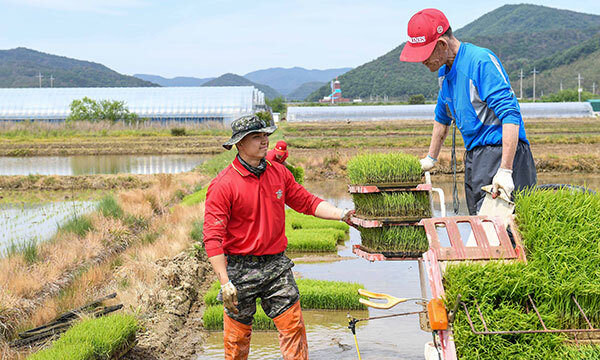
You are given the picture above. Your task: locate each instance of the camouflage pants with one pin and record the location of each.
(268, 277)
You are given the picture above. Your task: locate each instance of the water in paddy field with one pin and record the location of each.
(100, 164)
(20, 223)
(392, 338)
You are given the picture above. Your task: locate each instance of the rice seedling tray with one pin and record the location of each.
(389, 187)
(377, 255)
(385, 221)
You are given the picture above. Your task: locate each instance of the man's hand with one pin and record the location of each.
(427, 163)
(230, 300)
(347, 216)
(503, 180)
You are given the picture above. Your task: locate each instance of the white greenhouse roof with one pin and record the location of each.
(224, 102)
(423, 112)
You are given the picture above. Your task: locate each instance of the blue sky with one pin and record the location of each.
(209, 38)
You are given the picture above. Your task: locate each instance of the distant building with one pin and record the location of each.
(336, 94)
(222, 103)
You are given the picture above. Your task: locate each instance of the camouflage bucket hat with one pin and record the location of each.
(246, 125)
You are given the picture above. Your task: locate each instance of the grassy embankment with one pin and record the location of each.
(115, 248)
(561, 234)
(43, 139)
(314, 294)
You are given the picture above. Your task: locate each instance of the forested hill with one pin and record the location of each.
(20, 68)
(237, 80)
(523, 36)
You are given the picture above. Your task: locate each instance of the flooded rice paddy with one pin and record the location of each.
(21, 223)
(392, 338)
(100, 164)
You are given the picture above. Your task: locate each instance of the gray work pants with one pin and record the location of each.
(482, 163)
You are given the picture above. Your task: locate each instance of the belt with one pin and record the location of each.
(252, 258)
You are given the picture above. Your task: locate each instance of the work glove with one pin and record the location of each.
(503, 180)
(427, 163)
(230, 299)
(347, 216)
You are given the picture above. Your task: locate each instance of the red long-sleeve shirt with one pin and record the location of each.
(245, 215)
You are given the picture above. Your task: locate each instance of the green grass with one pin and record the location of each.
(109, 207)
(391, 204)
(561, 234)
(28, 249)
(298, 172)
(217, 163)
(402, 239)
(314, 294)
(79, 225)
(196, 197)
(384, 168)
(197, 231)
(92, 339)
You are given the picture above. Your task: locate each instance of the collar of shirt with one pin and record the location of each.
(241, 169)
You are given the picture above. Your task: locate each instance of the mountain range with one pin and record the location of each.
(21, 67)
(176, 81)
(560, 44)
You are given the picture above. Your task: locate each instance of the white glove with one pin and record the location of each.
(427, 163)
(503, 180)
(230, 300)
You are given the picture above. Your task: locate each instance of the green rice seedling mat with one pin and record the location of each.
(392, 169)
(395, 241)
(400, 205)
(561, 234)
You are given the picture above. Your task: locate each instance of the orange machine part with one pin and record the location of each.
(438, 317)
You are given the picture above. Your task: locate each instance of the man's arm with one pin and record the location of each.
(510, 139)
(438, 136)
(219, 265)
(327, 211)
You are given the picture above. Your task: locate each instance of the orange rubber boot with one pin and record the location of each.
(292, 334)
(236, 338)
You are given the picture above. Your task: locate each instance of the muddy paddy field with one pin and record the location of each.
(148, 251)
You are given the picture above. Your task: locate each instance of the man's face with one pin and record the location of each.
(438, 57)
(254, 146)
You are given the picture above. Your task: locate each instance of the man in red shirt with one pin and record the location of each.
(244, 237)
(279, 153)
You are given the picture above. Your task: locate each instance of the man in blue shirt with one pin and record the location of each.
(474, 92)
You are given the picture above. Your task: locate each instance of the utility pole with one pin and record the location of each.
(579, 89)
(40, 76)
(594, 88)
(51, 81)
(534, 72)
(561, 85)
(521, 84)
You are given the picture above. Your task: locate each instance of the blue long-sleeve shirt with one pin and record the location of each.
(476, 92)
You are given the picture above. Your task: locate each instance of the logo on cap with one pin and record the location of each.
(417, 40)
(440, 29)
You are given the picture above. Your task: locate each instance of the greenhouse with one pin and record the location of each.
(423, 112)
(224, 103)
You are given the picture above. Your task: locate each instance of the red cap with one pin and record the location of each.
(424, 28)
(281, 146)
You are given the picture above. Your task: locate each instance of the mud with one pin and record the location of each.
(172, 328)
(79, 182)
